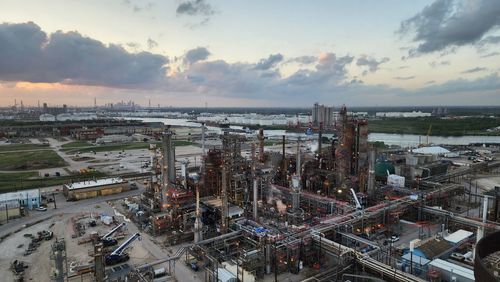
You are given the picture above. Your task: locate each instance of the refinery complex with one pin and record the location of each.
(149, 201)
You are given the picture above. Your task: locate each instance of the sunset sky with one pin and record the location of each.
(250, 53)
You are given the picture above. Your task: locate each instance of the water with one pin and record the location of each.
(412, 140)
(403, 140)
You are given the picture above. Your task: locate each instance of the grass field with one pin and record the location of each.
(29, 180)
(119, 147)
(30, 160)
(21, 147)
(440, 127)
(76, 144)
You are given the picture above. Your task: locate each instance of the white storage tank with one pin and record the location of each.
(396, 181)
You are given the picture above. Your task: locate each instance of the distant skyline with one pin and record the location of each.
(278, 53)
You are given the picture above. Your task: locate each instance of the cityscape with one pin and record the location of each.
(227, 141)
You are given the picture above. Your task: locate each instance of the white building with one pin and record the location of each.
(47, 117)
(26, 198)
(402, 114)
(322, 114)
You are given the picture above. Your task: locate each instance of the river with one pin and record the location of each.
(403, 140)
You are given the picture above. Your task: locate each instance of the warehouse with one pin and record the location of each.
(29, 199)
(94, 188)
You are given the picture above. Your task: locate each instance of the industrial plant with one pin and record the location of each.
(322, 205)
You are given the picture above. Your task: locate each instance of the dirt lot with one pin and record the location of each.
(39, 262)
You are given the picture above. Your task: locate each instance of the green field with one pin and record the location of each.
(29, 180)
(23, 147)
(76, 144)
(440, 127)
(119, 147)
(30, 160)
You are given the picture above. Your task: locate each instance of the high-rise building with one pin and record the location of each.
(322, 114)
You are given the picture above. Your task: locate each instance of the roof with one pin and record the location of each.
(451, 267)
(458, 236)
(433, 248)
(416, 259)
(94, 183)
(224, 275)
(433, 150)
(20, 195)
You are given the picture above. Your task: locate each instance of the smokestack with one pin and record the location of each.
(198, 235)
(371, 172)
(203, 138)
(261, 145)
(283, 178)
(320, 135)
(298, 164)
(255, 187)
(224, 211)
(168, 163)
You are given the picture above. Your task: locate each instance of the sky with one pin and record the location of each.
(261, 53)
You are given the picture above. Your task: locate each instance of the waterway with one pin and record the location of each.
(403, 140)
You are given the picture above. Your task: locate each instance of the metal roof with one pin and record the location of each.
(415, 259)
(94, 183)
(458, 236)
(433, 150)
(453, 268)
(20, 195)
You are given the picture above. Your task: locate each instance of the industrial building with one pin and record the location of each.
(94, 188)
(29, 199)
(322, 114)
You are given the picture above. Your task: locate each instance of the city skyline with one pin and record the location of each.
(264, 53)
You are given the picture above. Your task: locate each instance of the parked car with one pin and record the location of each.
(394, 238)
(41, 209)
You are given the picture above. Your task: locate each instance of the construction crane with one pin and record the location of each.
(118, 255)
(358, 204)
(107, 240)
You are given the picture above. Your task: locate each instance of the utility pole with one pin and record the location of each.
(54, 198)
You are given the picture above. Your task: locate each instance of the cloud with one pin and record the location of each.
(476, 69)
(446, 24)
(29, 54)
(404, 77)
(270, 62)
(303, 60)
(490, 54)
(439, 63)
(195, 8)
(483, 84)
(489, 40)
(136, 8)
(194, 55)
(152, 44)
(372, 63)
(70, 59)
